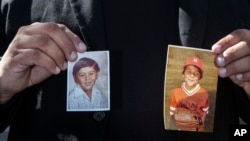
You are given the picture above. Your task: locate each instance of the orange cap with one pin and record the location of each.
(196, 61)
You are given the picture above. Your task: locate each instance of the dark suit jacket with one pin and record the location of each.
(202, 23)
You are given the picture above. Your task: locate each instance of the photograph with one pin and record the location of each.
(88, 86)
(189, 89)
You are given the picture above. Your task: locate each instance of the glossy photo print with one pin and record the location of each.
(189, 89)
(88, 82)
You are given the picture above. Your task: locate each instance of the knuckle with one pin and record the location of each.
(23, 29)
(241, 33)
(62, 26)
(20, 41)
(35, 23)
(52, 27)
(16, 42)
(36, 54)
(41, 40)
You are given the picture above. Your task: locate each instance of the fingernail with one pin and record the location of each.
(82, 46)
(220, 61)
(222, 72)
(239, 76)
(73, 55)
(57, 70)
(216, 48)
(225, 54)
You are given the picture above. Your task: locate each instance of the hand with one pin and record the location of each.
(233, 57)
(37, 51)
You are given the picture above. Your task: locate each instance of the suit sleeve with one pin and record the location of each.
(7, 112)
(243, 104)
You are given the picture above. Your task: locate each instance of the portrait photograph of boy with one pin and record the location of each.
(190, 89)
(88, 82)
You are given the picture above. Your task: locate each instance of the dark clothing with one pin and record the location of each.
(137, 34)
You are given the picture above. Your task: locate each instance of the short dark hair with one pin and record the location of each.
(85, 62)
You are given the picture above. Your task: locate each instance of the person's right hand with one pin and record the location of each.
(37, 51)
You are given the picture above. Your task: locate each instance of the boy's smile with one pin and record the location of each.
(86, 78)
(191, 76)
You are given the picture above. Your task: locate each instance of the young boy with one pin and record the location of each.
(190, 96)
(85, 95)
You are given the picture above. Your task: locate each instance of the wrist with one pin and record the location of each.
(6, 91)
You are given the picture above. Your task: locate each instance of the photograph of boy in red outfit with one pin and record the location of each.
(188, 103)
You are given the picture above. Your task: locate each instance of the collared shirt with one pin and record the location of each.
(196, 99)
(78, 100)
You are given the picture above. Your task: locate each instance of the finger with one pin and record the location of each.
(229, 40)
(233, 53)
(57, 34)
(242, 80)
(79, 45)
(43, 74)
(28, 58)
(44, 44)
(238, 66)
(246, 87)
(242, 76)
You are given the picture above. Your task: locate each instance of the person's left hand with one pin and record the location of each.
(233, 57)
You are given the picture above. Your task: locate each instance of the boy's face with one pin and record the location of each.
(191, 75)
(86, 78)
